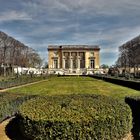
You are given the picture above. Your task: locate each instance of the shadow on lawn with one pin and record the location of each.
(12, 130)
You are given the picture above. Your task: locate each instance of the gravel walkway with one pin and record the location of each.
(3, 125)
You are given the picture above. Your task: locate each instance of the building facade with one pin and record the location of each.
(73, 59)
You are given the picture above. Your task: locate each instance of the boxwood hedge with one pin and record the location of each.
(75, 117)
(134, 103)
(123, 82)
(10, 102)
(12, 82)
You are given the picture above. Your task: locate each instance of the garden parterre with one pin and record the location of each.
(68, 113)
(76, 85)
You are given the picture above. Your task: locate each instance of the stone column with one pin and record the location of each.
(63, 63)
(58, 63)
(78, 60)
(71, 62)
(53, 64)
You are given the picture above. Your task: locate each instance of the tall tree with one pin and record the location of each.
(129, 56)
(14, 53)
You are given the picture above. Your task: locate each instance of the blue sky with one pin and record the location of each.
(38, 23)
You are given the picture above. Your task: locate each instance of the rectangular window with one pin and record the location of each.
(81, 54)
(67, 63)
(82, 63)
(74, 64)
(56, 64)
(73, 54)
(91, 64)
(66, 54)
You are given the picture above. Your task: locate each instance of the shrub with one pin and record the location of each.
(127, 83)
(9, 104)
(18, 81)
(134, 103)
(75, 117)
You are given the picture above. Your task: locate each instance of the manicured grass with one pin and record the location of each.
(76, 85)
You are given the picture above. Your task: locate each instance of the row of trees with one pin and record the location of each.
(129, 57)
(14, 53)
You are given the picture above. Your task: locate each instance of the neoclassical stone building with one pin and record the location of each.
(73, 59)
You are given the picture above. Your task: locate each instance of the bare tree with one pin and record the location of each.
(14, 53)
(129, 56)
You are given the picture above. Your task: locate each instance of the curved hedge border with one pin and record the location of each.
(10, 102)
(75, 117)
(134, 103)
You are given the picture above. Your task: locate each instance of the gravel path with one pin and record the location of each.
(3, 125)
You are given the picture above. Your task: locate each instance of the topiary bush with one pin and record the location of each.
(75, 117)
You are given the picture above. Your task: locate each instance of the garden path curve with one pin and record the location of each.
(3, 125)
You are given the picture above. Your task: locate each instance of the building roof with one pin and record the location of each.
(73, 47)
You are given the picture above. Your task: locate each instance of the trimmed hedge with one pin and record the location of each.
(134, 103)
(75, 117)
(18, 81)
(126, 83)
(9, 104)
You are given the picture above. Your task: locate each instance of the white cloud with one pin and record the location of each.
(108, 23)
(46, 30)
(92, 7)
(14, 15)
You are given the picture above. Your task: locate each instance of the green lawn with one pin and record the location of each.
(75, 85)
